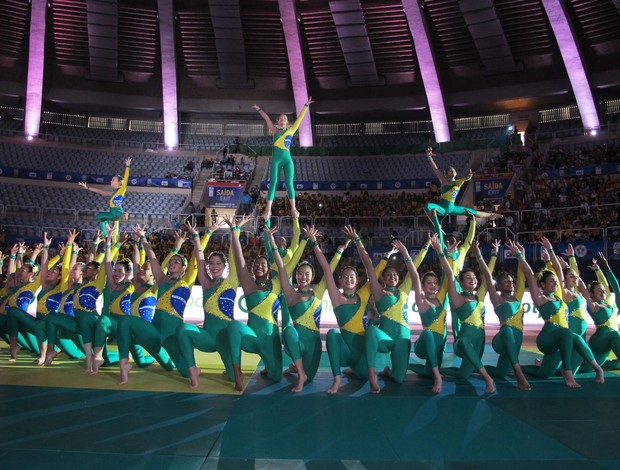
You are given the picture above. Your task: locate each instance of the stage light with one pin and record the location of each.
(593, 132)
(29, 137)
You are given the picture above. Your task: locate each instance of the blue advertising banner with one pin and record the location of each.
(491, 187)
(93, 179)
(224, 194)
(606, 169)
(353, 185)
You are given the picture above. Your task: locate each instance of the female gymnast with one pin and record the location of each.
(393, 334)
(173, 291)
(468, 305)
(281, 157)
(450, 188)
(604, 313)
(260, 335)
(302, 340)
(48, 300)
(506, 299)
(120, 289)
(346, 346)
(431, 298)
(555, 340)
(115, 197)
(218, 297)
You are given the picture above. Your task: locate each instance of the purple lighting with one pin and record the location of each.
(573, 63)
(36, 56)
(288, 14)
(168, 73)
(428, 70)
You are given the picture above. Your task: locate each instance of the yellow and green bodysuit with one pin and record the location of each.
(347, 346)
(281, 158)
(115, 204)
(219, 307)
(394, 332)
(469, 344)
(261, 334)
(302, 340)
(606, 338)
(555, 340)
(507, 342)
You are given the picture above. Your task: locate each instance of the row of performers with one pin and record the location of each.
(146, 312)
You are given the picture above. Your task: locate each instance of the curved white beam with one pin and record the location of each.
(430, 78)
(572, 61)
(36, 58)
(288, 15)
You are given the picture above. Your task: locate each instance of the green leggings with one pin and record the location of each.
(429, 346)
(28, 337)
(302, 343)
(557, 343)
(211, 338)
(63, 331)
(113, 215)
(347, 349)
(507, 343)
(264, 343)
(603, 341)
(107, 327)
(397, 343)
(281, 159)
(158, 338)
(469, 346)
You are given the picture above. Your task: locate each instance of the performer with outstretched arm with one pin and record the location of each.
(281, 157)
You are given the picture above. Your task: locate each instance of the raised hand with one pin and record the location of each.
(350, 232)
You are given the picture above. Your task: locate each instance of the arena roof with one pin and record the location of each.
(358, 59)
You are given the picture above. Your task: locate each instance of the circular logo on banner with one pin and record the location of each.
(397, 184)
(68, 177)
(332, 186)
(134, 181)
(580, 251)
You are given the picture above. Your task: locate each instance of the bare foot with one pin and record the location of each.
(39, 362)
(295, 214)
(194, 373)
(372, 380)
(50, 357)
(238, 384)
(89, 364)
(125, 367)
(494, 216)
(385, 373)
(335, 386)
(301, 380)
(522, 382)
(490, 385)
(97, 362)
(291, 370)
(13, 352)
(569, 379)
(266, 216)
(600, 375)
(437, 385)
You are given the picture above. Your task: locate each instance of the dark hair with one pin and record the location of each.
(352, 268)
(125, 263)
(543, 274)
(465, 271)
(501, 276)
(428, 274)
(592, 285)
(220, 254)
(305, 263)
